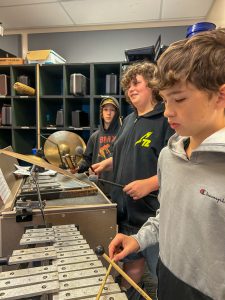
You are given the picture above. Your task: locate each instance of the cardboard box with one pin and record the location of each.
(11, 61)
(44, 57)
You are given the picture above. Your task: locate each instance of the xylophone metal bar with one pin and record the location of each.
(33, 282)
(79, 283)
(79, 271)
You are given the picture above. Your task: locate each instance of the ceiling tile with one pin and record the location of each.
(44, 14)
(177, 9)
(22, 2)
(33, 16)
(108, 11)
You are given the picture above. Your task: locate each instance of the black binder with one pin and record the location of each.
(79, 119)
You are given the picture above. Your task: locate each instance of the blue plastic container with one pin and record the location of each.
(198, 27)
(34, 151)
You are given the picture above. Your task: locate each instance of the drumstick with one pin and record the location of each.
(100, 251)
(104, 281)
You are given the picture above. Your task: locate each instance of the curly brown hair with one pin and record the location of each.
(199, 60)
(148, 71)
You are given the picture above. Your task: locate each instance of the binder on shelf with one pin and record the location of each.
(3, 85)
(6, 114)
(111, 84)
(23, 79)
(79, 119)
(59, 117)
(78, 84)
(9, 115)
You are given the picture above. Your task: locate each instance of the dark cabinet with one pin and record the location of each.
(56, 106)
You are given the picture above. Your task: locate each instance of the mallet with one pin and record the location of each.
(95, 179)
(101, 252)
(104, 282)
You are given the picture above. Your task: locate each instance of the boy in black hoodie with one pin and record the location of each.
(99, 143)
(135, 154)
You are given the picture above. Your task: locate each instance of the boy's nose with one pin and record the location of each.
(169, 111)
(109, 112)
(131, 87)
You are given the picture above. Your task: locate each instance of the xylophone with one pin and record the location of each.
(61, 266)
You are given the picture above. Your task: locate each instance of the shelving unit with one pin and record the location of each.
(21, 131)
(54, 95)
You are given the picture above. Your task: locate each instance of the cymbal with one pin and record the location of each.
(39, 162)
(67, 142)
(35, 158)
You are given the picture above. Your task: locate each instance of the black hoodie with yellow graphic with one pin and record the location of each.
(135, 156)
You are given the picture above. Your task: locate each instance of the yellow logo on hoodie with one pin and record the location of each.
(144, 140)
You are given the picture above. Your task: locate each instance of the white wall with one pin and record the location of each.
(11, 43)
(217, 13)
(104, 45)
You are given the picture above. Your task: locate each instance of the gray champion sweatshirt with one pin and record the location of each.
(191, 230)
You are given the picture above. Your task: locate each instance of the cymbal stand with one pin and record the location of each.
(34, 175)
(70, 162)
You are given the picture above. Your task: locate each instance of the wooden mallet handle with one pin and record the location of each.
(104, 282)
(100, 252)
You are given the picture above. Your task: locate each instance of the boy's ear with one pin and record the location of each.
(221, 96)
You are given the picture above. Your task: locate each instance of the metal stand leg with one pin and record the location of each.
(34, 174)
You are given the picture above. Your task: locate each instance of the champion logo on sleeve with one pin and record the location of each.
(206, 193)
